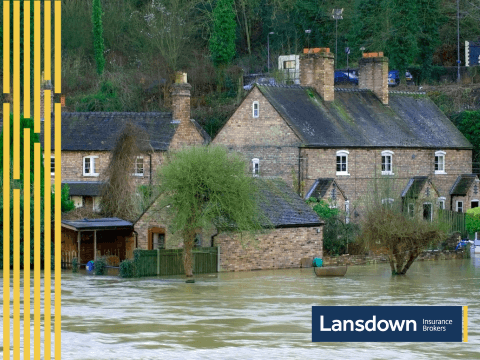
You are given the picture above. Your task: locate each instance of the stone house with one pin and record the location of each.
(296, 235)
(89, 137)
(420, 197)
(303, 133)
(464, 193)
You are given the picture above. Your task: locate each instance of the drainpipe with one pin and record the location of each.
(299, 170)
(150, 169)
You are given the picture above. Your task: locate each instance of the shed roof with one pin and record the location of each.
(84, 188)
(282, 206)
(462, 185)
(98, 224)
(358, 119)
(414, 187)
(98, 131)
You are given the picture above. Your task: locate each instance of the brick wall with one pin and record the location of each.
(363, 164)
(278, 249)
(267, 138)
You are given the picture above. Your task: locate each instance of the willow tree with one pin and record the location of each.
(203, 187)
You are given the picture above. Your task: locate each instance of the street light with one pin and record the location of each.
(268, 50)
(337, 15)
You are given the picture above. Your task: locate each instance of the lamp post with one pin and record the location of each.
(268, 50)
(337, 15)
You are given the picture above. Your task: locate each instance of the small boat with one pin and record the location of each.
(331, 271)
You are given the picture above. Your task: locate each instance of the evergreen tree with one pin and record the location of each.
(222, 41)
(98, 43)
(428, 38)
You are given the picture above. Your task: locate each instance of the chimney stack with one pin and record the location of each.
(46, 85)
(373, 75)
(317, 68)
(181, 98)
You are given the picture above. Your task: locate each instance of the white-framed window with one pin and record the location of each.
(411, 209)
(474, 203)
(342, 162)
(52, 164)
(440, 162)
(256, 167)
(441, 202)
(255, 109)
(89, 165)
(459, 206)
(139, 166)
(388, 202)
(387, 166)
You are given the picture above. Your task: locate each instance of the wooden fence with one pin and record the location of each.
(170, 261)
(455, 221)
(67, 258)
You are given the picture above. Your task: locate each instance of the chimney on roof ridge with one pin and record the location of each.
(45, 85)
(373, 75)
(317, 68)
(181, 98)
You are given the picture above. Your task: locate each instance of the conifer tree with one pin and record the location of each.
(222, 41)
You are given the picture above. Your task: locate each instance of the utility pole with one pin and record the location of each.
(268, 50)
(337, 15)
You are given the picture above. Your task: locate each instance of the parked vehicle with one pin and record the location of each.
(342, 77)
(394, 77)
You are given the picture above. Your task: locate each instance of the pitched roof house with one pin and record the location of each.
(89, 137)
(313, 131)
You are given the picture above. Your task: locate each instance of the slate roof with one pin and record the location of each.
(84, 188)
(359, 119)
(462, 184)
(282, 206)
(98, 131)
(320, 187)
(98, 224)
(414, 186)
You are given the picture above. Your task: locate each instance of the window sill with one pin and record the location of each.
(342, 173)
(139, 175)
(387, 173)
(93, 175)
(438, 172)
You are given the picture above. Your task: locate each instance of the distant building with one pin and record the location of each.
(289, 65)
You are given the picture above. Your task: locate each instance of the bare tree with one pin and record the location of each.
(119, 193)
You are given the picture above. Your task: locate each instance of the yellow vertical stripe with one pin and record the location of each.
(58, 227)
(465, 324)
(16, 274)
(6, 46)
(47, 12)
(47, 224)
(6, 230)
(58, 47)
(36, 231)
(16, 90)
(26, 59)
(36, 66)
(26, 244)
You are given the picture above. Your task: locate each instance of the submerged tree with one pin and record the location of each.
(205, 187)
(396, 227)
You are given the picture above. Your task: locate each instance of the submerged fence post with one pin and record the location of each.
(158, 261)
(218, 258)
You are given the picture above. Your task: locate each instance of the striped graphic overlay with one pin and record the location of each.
(22, 162)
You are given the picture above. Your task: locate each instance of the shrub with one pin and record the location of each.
(75, 265)
(127, 269)
(100, 266)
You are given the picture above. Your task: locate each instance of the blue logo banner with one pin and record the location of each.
(387, 323)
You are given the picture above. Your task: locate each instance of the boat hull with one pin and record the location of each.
(331, 271)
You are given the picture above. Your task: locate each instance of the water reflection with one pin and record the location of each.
(255, 314)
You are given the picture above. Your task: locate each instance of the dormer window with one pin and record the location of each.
(255, 109)
(342, 162)
(255, 167)
(387, 167)
(440, 162)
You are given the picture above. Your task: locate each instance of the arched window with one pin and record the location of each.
(387, 166)
(342, 162)
(255, 109)
(440, 162)
(441, 202)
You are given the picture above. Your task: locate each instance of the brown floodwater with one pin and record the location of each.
(255, 315)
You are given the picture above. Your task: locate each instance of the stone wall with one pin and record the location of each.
(277, 249)
(364, 165)
(266, 137)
